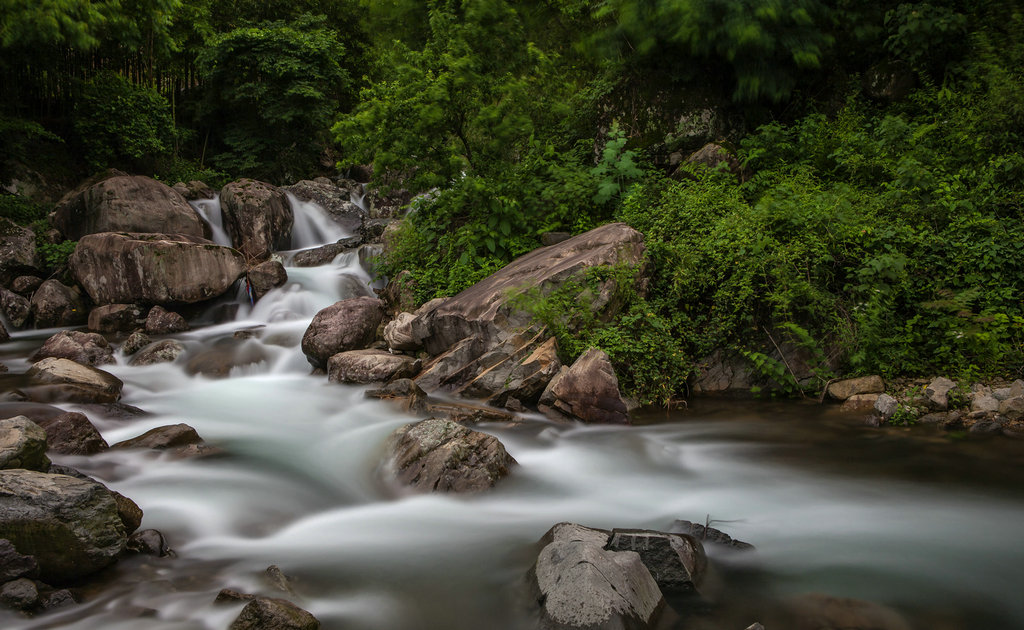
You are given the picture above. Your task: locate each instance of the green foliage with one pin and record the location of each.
(925, 35)
(122, 124)
(55, 255)
(20, 209)
(181, 170)
(76, 23)
(273, 90)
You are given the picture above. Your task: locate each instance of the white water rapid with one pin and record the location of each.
(921, 524)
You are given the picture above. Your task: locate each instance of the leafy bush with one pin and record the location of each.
(119, 123)
(20, 210)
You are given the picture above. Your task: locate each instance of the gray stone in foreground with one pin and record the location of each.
(69, 525)
(438, 455)
(936, 395)
(675, 561)
(370, 366)
(80, 347)
(269, 613)
(170, 436)
(73, 382)
(71, 433)
(14, 565)
(588, 390)
(345, 325)
(22, 444)
(844, 389)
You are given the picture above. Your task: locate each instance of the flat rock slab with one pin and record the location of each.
(69, 525)
(438, 455)
(844, 389)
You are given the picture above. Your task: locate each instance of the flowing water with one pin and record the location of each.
(909, 519)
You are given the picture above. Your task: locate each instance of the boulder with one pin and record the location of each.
(522, 374)
(269, 613)
(984, 402)
(588, 390)
(154, 268)
(56, 304)
(112, 318)
(438, 455)
(257, 216)
(195, 190)
(721, 373)
(20, 594)
(135, 342)
(936, 395)
(129, 512)
(265, 276)
(22, 444)
(489, 310)
(706, 534)
(370, 366)
(712, 154)
(400, 292)
(69, 525)
(1012, 409)
(14, 565)
(676, 561)
(324, 254)
(160, 321)
(398, 333)
(171, 436)
(165, 351)
(450, 367)
(26, 285)
(71, 433)
(860, 403)
(149, 542)
(125, 203)
(346, 325)
(80, 347)
(844, 389)
(18, 254)
(64, 380)
(577, 583)
(15, 307)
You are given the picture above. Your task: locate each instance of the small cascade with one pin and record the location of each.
(209, 210)
(312, 226)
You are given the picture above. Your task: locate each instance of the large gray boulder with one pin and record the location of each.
(56, 304)
(55, 379)
(346, 325)
(69, 525)
(125, 203)
(22, 444)
(437, 455)
(71, 433)
(257, 216)
(579, 584)
(588, 391)
(154, 268)
(271, 613)
(370, 366)
(80, 347)
(489, 310)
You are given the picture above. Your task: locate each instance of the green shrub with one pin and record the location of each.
(20, 209)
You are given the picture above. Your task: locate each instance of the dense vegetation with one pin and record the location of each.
(878, 230)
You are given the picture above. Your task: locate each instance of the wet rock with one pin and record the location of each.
(410, 397)
(844, 389)
(676, 561)
(160, 321)
(71, 433)
(14, 565)
(488, 310)
(336, 200)
(936, 395)
(816, 611)
(20, 594)
(278, 580)
(468, 413)
(22, 444)
(267, 613)
(517, 376)
(70, 526)
(59, 599)
(80, 347)
(227, 595)
(398, 333)
(438, 455)
(125, 203)
(577, 583)
(257, 216)
(322, 255)
(370, 366)
(165, 437)
(165, 351)
(154, 268)
(18, 254)
(113, 318)
(860, 403)
(15, 307)
(135, 342)
(346, 325)
(588, 390)
(26, 285)
(56, 304)
(129, 512)
(149, 542)
(710, 535)
(265, 276)
(450, 367)
(226, 355)
(56, 379)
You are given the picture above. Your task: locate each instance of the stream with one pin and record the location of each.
(909, 518)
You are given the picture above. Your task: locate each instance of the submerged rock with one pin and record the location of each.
(438, 455)
(171, 436)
